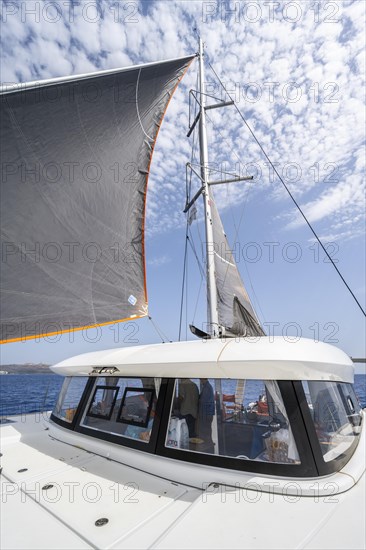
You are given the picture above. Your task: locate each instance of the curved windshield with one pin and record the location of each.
(336, 414)
(244, 419)
(69, 397)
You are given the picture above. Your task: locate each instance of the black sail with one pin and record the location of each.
(235, 310)
(75, 158)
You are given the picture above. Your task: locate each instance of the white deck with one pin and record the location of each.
(86, 487)
(146, 511)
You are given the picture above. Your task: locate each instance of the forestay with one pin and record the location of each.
(76, 154)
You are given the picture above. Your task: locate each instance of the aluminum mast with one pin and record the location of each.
(212, 313)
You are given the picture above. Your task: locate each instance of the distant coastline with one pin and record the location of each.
(26, 368)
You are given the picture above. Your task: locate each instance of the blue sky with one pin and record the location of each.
(296, 70)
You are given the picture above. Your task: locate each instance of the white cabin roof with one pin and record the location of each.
(266, 358)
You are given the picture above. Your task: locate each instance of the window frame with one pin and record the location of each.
(146, 446)
(79, 408)
(323, 467)
(103, 416)
(148, 412)
(306, 468)
(298, 414)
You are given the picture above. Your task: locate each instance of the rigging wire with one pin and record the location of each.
(163, 337)
(187, 272)
(290, 194)
(237, 228)
(209, 168)
(183, 283)
(200, 267)
(228, 144)
(185, 261)
(198, 297)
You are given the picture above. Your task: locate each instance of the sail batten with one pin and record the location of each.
(75, 165)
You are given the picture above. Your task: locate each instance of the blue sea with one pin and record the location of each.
(26, 393)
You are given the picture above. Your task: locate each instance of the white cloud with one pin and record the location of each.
(324, 59)
(159, 261)
(344, 204)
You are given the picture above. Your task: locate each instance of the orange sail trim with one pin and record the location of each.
(75, 329)
(148, 174)
(42, 297)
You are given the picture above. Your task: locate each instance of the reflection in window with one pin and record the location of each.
(336, 414)
(245, 419)
(103, 401)
(136, 406)
(123, 407)
(69, 397)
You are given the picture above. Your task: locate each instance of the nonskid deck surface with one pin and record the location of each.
(144, 511)
(85, 488)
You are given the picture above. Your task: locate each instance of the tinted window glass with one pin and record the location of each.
(336, 414)
(122, 406)
(245, 419)
(69, 397)
(136, 406)
(103, 401)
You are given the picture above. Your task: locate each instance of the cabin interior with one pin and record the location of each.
(296, 428)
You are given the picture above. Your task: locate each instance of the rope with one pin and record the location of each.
(290, 194)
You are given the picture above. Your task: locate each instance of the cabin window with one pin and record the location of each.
(122, 406)
(102, 402)
(336, 414)
(69, 397)
(244, 419)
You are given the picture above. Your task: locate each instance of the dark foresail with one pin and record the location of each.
(75, 158)
(235, 310)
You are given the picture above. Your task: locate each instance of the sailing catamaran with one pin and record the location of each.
(194, 444)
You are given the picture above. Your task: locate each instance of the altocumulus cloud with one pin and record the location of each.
(296, 70)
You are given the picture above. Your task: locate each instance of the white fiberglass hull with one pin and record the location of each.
(165, 506)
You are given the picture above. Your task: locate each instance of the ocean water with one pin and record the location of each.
(360, 388)
(26, 393)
